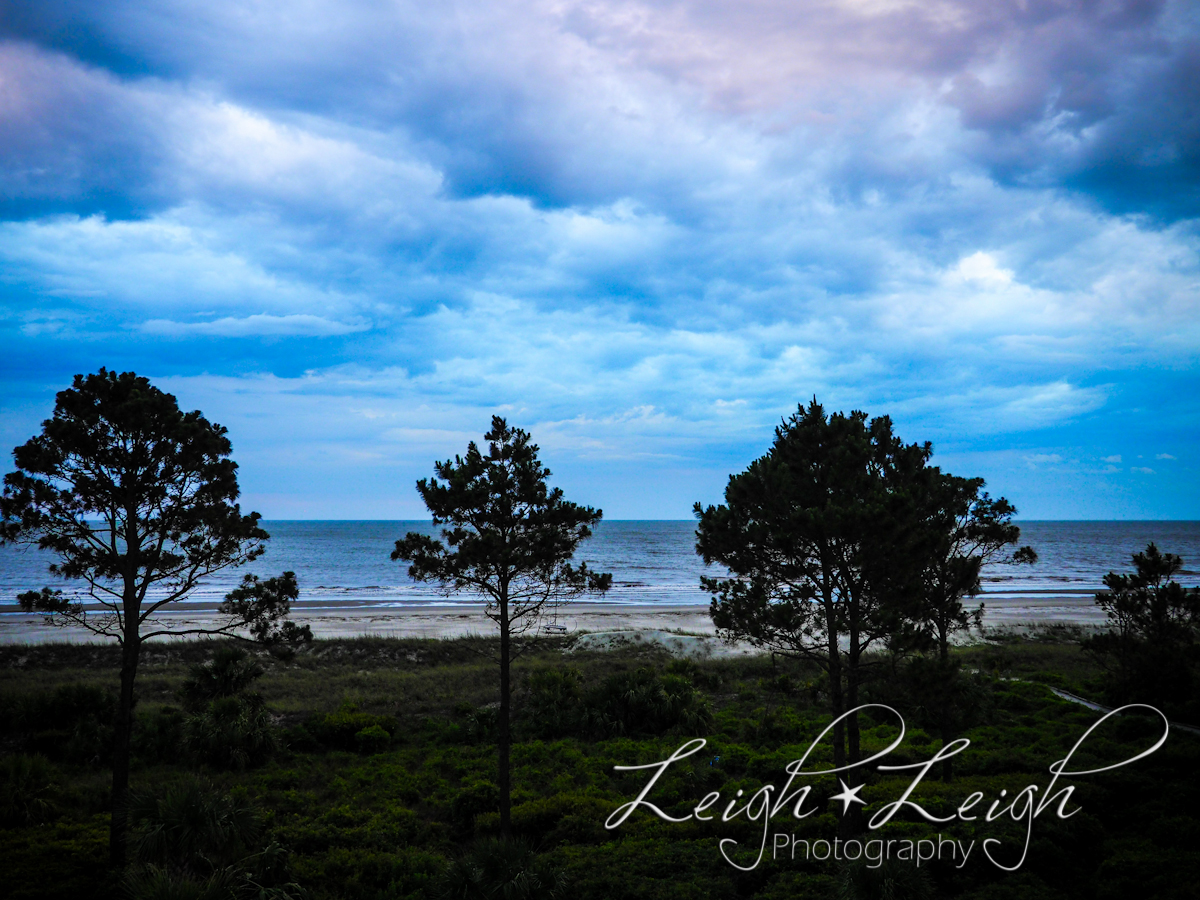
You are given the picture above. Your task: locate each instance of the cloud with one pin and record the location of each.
(261, 325)
(582, 103)
(1163, 456)
(1040, 459)
(980, 268)
(648, 229)
(1116, 458)
(1144, 470)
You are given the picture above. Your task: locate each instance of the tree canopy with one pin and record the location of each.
(843, 539)
(134, 497)
(963, 529)
(1150, 647)
(817, 537)
(508, 537)
(137, 500)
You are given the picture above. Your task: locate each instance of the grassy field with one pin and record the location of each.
(367, 769)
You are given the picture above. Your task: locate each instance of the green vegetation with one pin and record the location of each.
(381, 776)
(508, 537)
(842, 541)
(1150, 651)
(136, 500)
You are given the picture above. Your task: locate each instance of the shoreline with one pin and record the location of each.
(341, 619)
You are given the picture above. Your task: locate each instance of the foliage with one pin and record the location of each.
(158, 735)
(232, 733)
(229, 726)
(497, 868)
(193, 827)
(963, 531)
(340, 730)
(137, 500)
(625, 703)
(72, 722)
(372, 739)
(263, 605)
(229, 672)
(1150, 647)
(392, 824)
(195, 842)
(26, 785)
(934, 693)
(555, 707)
(510, 538)
(644, 702)
(888, 880)
(820, 536)
(133, 496)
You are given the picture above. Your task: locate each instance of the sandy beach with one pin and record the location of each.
(332, 619)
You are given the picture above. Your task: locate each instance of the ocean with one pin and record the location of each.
(651, 562)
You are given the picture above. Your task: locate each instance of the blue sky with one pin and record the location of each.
(643, 231)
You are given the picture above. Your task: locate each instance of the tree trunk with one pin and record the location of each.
(946, 696)
(851, 824)
(837, 703)
(119, 824)
(853, 753)
(504, 739)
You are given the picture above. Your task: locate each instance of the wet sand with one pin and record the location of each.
(333, 619)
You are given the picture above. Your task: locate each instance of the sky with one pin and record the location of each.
(353, 231)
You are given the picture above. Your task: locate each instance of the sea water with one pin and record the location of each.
(650, 561)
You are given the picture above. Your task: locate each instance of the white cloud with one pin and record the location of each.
(647, 229)
(1040, 459)
(981, 268)
(260, 325)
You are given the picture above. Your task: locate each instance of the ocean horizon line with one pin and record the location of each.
(609, 521)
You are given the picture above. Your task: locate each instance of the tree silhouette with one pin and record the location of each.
(136, 499)
(818, 536)
(960, 529)
(509, 538)
(1153, 621)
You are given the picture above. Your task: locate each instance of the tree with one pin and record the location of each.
(961, 530)
(817, 537)
(136, 499)
(511, 539)
(1153, 621)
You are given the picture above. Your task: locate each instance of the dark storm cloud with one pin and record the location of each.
(74, 140)
(356, 230)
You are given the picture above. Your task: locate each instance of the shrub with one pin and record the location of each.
(372, 739)
(483, 723)
(708, 679)
(192, 826)
(339, 730)
(888, 880)
(158, 735)
(194, 841)
(229, 672)
(232, 733)
(26, 783)
(498, 867)
(555, 709)
(641, 702)
(473, 798)
(73, 722)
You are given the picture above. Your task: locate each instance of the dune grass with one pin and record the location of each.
(385, 773)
